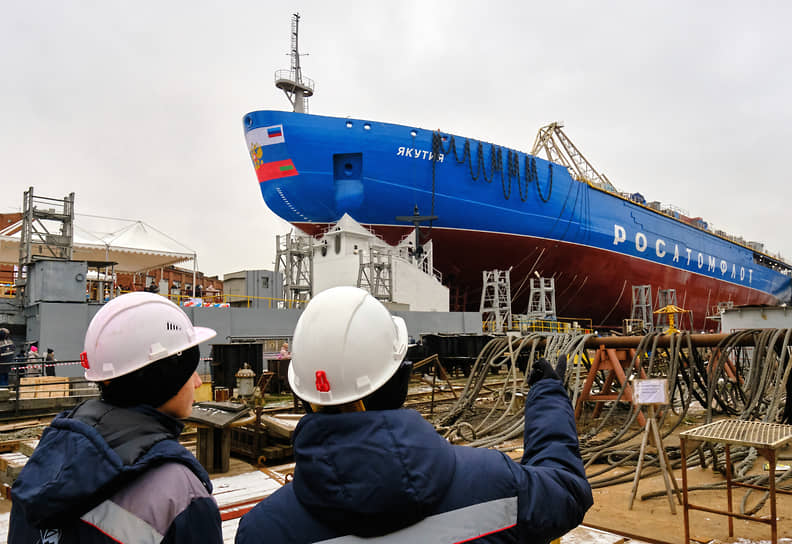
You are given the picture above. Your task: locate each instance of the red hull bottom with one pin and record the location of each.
(590, 283)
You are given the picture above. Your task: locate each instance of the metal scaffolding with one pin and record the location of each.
(642, 306)
(47, 232)
(496, 299)
(294, 258)
(543, 304)
(375, 273)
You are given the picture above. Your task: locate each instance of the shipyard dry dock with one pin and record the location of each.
(736, 381)
(637, 397)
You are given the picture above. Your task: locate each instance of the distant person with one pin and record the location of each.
(365, 468)
(284, 351)
(7, 349)
(112, 470)
(49, 362)
(33, 354)
(33, 359)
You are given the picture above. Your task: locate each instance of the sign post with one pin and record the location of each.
(651, 393)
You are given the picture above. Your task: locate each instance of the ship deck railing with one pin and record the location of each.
(672, 211)
(7, 290)
(560, 326)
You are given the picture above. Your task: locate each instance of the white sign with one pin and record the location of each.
(654, 391)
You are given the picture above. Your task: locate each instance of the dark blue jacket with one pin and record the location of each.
(103, 474)
(389, 473)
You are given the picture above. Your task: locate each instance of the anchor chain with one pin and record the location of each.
(512, 170)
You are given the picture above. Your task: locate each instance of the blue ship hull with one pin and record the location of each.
(498, 208)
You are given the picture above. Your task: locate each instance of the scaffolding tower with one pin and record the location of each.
(294, 258)
(375, 274)
(543, 304)
(496, 299)
(642, 306)
(47, 232)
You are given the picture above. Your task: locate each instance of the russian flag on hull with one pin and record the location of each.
(269, 153)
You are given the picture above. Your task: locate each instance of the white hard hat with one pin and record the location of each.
(134, 330)
(346, 345)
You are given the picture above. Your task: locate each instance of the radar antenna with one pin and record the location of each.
(560, 149)
(291, 82)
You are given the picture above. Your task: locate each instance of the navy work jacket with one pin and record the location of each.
(103, 474)
(389, 477)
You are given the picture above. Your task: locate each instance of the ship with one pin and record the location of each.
(489, 207)
(482, 209)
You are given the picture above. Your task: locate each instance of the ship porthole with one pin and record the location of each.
(367, 126)
(249, 121)
(413, 133)
(349, 124)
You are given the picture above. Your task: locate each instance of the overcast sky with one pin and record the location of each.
(137, 107)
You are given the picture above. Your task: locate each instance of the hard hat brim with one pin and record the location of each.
(202, 334)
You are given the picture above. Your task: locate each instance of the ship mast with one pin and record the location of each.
(291, 82)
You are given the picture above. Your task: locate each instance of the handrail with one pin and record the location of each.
(538, 325)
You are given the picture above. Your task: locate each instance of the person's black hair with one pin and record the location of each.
(154, 384)
(393, 394)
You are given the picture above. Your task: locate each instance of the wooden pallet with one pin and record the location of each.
(44, 387)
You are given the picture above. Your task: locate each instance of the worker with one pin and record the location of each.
(112, 470)
(284, 351)
(7, 349)
(49, 362)
(366, 468)
(34, 359)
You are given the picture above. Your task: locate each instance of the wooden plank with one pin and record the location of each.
(12, 459)
(15, 466)
(20, 425)
(9, 445)
(281, 427)
(27, 447)
(43, 387)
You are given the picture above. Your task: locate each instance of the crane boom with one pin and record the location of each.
(559, 149)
